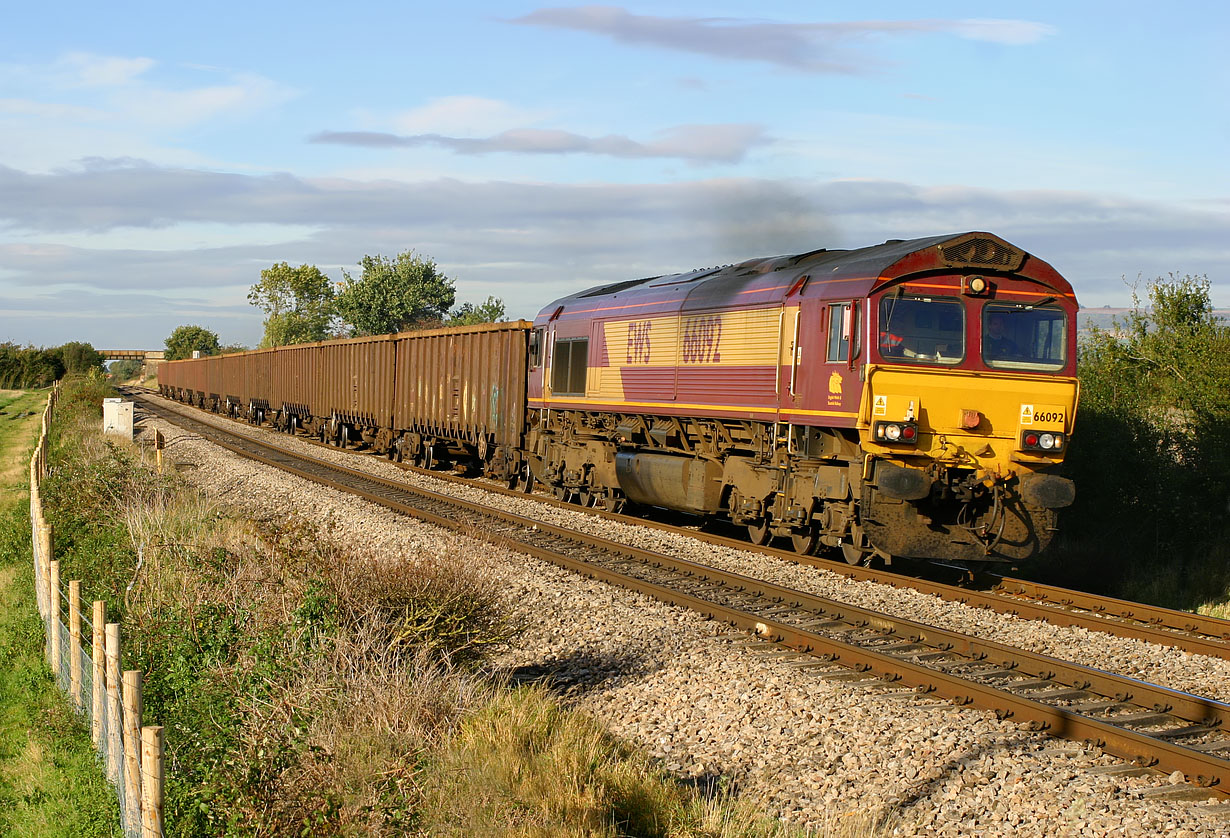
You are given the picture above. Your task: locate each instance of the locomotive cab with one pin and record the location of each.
(970, 396)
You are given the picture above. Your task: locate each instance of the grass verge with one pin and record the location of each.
(50, 782)
(310, 685)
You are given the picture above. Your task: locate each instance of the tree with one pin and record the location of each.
(1150, 452)
(468, 314)
(392, 295)
(227, 349)
(126, 370)
(298, 302)
(78, 357)
(23, 367)
(188, 339)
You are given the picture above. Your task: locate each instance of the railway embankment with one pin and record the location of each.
(314, 677)
(710, 704)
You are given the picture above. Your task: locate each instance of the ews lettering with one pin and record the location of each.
(701, 336)
(638, 342)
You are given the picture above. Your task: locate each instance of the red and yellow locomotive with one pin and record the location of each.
(906, 399)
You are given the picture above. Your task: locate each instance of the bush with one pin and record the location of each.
(1151, 454)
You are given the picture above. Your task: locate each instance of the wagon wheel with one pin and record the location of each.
(805, 542)
(524, 481)
(759, 533)
(427, 458)
(589, 498)
(562, 493)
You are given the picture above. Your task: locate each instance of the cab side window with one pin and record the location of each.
(841, 331)
(535, 348)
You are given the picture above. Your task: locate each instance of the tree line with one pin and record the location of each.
(26, 367)
(302, 304)
(1150, 453)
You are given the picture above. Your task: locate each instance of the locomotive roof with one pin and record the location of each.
(823, 273)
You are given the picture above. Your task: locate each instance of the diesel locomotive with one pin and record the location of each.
(909, 399)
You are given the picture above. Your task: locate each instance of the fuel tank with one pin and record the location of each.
(672, 482)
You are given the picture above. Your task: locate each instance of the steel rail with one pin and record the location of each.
(1202, 767)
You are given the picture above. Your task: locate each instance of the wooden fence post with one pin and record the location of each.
(132, 744)
(152, 779)
(114, 723)
(99, 687)
(38, 568)
(45, 555)
(53, 624)
(74, 642)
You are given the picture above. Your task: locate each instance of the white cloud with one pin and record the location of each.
(246, 93)
(48, 110)
(1011, 32)
(464, 116)
(82, 69)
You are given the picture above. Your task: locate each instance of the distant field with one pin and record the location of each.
(17, 434)
(1105, 317)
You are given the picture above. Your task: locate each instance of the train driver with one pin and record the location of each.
(995, 341)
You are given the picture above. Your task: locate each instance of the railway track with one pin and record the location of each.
(1147, 724)
(1194, 633)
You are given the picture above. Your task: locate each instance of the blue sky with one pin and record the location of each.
(154, 158)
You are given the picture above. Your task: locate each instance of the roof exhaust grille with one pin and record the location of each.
(981, 252)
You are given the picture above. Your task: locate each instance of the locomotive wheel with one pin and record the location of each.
(854, 554)
(806, 542)
(759, 532)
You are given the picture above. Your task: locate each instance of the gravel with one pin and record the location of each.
(708, 703)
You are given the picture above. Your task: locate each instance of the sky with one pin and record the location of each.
(155, 157)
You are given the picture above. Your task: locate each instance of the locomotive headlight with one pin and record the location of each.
(896, 433)
(1050, 442)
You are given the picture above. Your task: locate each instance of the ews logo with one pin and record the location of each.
(638, 342)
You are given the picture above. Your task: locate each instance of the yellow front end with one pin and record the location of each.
(971, 419)
(957, 462)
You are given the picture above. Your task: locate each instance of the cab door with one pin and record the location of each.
(825, 384)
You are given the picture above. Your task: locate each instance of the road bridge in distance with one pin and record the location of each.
(149, 358)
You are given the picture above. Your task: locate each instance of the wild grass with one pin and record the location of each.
(311, 685)
(523, 765)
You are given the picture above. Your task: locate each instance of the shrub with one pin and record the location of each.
(1151, 453)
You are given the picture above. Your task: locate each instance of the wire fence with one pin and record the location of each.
(83, 652)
